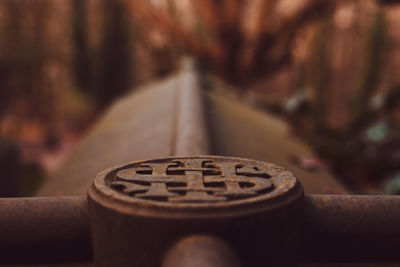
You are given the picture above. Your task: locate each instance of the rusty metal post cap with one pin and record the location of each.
(138, 210)
(204, 186)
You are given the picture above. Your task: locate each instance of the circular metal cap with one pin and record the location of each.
(195, 187)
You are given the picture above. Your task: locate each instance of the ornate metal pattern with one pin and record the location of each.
(199, 179)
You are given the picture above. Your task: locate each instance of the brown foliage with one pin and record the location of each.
(222, 39)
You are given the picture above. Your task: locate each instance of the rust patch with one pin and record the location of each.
(199, 180)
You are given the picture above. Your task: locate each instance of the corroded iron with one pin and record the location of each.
(44, 230)
(349, 228)
(200, 180)
(149, 204)
(209, 209)
(191, 137)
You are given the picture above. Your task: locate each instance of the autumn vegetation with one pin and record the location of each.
(330, 68)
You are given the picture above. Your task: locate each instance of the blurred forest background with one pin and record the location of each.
(330, 68)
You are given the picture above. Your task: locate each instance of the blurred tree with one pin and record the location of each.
(371, 67)
(22, 56)
(81, 57)
(344, 145)
(224, 45)
(318, 73)
(115, 57)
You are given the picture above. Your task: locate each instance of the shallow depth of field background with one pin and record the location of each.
(329, 68)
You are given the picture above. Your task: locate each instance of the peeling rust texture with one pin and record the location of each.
(191, 133)
(351, 228)
(44, 230)
(203, 181)
(201, 251)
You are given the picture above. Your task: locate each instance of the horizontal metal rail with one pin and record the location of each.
(351, 228)
(335, 228)
(190, 131)
(44, 230)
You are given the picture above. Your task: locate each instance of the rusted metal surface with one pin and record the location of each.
(162, 119)
(191, 131)
(149, 204)
(336, 228)
(199, 180)
(138, 126)
(187, 183)
(205, 210)
(201, 251)
(167, 118)
(351, 228)
(44, 230)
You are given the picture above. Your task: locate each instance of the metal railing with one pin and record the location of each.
(251, 226)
